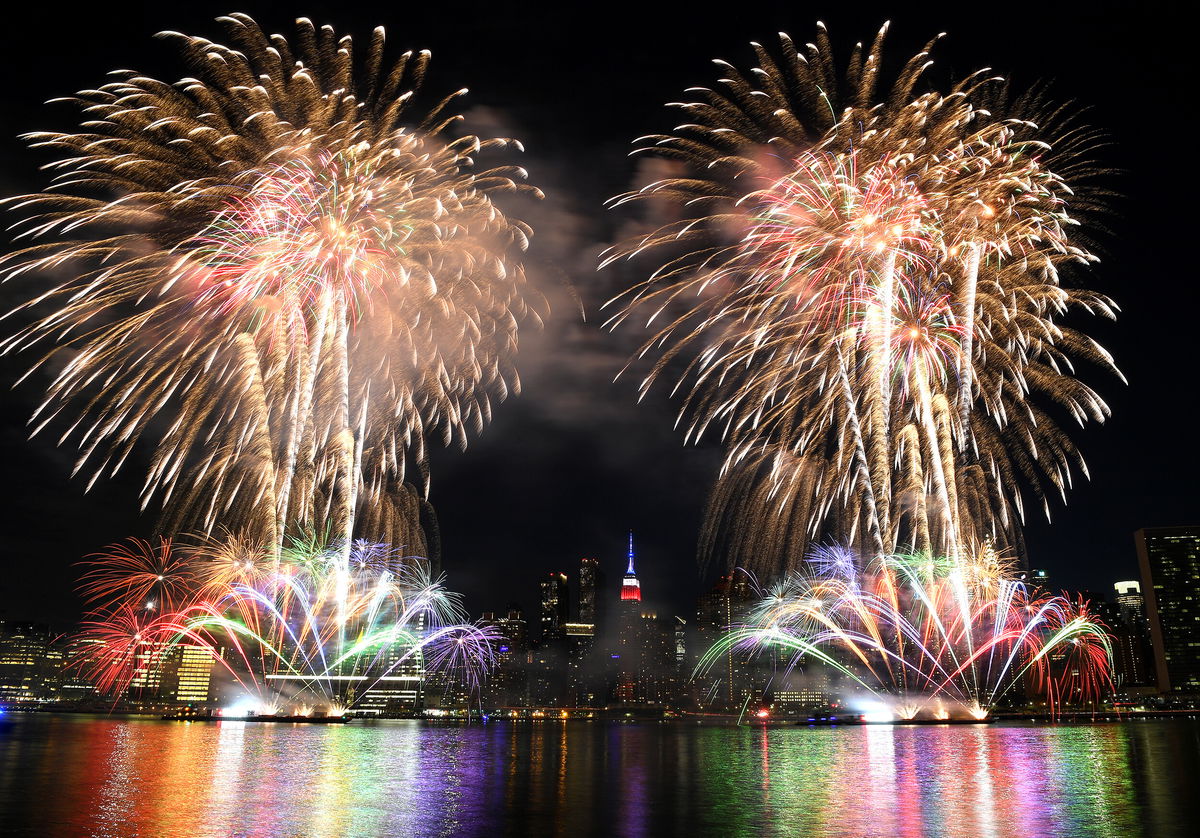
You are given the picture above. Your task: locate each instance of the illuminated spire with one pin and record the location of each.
(631, 589)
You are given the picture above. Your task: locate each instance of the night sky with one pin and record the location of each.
(573, 463)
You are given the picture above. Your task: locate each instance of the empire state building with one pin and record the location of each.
(631, 589)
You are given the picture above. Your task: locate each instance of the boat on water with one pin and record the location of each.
(858, 719)
(258, 717)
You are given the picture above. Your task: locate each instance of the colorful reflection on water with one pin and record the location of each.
(77, 776)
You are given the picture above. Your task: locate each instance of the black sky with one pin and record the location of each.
(573, 463)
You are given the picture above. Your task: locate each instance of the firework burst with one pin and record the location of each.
(867, 285)
(316, 626)
(151, 576)
(929, 635)
(304, 276)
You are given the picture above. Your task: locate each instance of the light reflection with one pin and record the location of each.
(123, 778)
(227, 777)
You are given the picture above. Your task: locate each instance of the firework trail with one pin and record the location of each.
(281, 258)
(932, 636)
(859, 292)
(317, 626)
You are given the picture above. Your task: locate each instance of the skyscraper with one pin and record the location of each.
(646, 670)
(507, 686)
(631, 588)
(1133, 662)
(1130, 601)
(732, 678)
(148, 668)
(627, 654)
(583, 688)
(556, 601)
(1170, 563)
(591, 581)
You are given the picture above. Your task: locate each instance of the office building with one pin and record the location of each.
(556, 606)
(507, 685)
(189, 669)
(592, 593)
(1169, 558)
(394, 685)
(731, 679)
(1130, 601)
(1037, 577)
(31, 664)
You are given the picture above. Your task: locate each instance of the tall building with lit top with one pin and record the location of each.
(631, 588)
(1130, 601)
(646, 669)
(547, 659)
(556, 606)
(627, 655)
(1036, 577)
(1132, 659)
(1169, 558)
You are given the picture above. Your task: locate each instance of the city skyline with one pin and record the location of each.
(593, 648)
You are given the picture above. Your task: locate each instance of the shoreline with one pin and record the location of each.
(706, 720)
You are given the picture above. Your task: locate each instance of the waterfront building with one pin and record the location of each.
(507, 685)
(445, 693)
(31, 664)
(583, 688)
(148, 668)
(1131, 656)
(585, 680)
(1169, 558)
(546, 660)
(75, 686)
(659, 678)
(187, 674)
(546, 665)
(804, 698)
(735, 677)
(396, 684)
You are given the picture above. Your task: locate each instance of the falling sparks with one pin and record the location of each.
(929, 636)
(293, 630)
(858, 291)
(280, 275)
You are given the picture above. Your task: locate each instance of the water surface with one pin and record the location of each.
(79, 776)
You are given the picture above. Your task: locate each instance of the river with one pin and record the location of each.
(92, 776)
